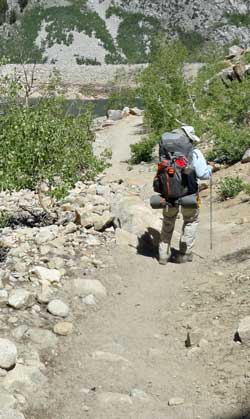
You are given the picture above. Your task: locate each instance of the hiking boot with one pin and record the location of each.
(163, 261)
(183, 258)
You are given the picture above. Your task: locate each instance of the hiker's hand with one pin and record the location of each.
(214, 166)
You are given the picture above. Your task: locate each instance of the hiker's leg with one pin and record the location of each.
(169, 218)
(189, 229)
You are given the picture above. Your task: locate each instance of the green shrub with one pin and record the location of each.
(238, 19)
(230, 187)
(42, 143)
(143, 150)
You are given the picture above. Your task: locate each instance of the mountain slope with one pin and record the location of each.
(113, 31)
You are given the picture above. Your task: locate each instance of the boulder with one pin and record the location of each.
(114, 115)
(246, 157)
(8, 354)
(124, 238)
(134, 216)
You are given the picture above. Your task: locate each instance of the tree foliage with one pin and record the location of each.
(40, 143)
(219, 111)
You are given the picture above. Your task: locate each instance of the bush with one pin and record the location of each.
(143, 151)
(40, 143)
(230, 187)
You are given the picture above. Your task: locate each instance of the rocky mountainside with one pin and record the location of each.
(113, 31)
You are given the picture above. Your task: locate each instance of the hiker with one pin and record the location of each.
(185, 140)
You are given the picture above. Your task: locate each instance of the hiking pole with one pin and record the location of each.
(211, 213)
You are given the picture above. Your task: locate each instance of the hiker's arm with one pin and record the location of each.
(202, 169)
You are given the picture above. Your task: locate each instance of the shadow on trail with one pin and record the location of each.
(242, 415)
(238, 256)
(148, 243)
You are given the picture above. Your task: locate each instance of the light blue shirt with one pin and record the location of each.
(202, 169)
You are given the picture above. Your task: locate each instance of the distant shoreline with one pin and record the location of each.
(77, 81)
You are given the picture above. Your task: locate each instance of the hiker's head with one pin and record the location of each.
(189, 130)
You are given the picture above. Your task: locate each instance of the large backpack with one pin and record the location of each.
(175, 176)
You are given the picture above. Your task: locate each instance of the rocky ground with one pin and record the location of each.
(92, 326)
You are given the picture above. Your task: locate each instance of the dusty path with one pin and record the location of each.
(133, 342)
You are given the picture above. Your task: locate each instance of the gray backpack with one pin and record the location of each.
(175, 176)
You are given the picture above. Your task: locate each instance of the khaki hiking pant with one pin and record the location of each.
(189, 228)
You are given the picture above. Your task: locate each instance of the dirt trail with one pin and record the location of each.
(143, 324)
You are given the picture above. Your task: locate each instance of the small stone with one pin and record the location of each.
(58, 308)
(85, 287)
(19, 331)
(89, 300)
(244, 330)
(19, 298)
(3, 297)
(139, 394)
(63, 328)
(8, 354)
(175, 401)
(71, 228)
(46, 294)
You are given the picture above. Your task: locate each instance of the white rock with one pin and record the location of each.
(114, 115)
(3, 297)
(10, 414)
(139, 394)
(85, 287)
(89, 300)
(244, 330)
(246, 157)
(58, 308)
(8, 354)
(45, 274)
(175, 401)
(46, 235)
(46, 293)
(19, 298)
